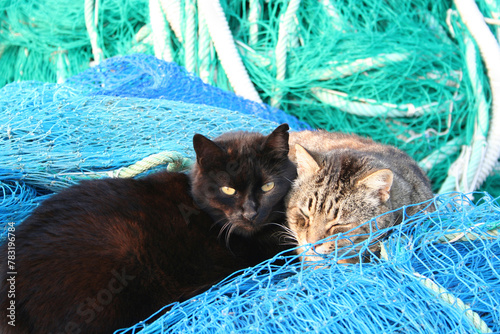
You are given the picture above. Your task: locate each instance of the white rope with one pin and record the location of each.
(176, 163)
(490, 52)
(172, 10)
(159, 28)
(479, 143)
(205, 49)
(62, 64)
(91, 17)
(190, 36)
(337, 20)
(282, 45)
(494, 8)
(440, 154)
(253, 17)
(226, 49)
(445, 295)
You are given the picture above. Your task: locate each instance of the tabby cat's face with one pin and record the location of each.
(241, 179)
(336, 195)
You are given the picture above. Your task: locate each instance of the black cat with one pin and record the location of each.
(241, 180)
(105, 254)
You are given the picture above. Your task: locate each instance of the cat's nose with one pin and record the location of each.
(249, 211)
(250, 214)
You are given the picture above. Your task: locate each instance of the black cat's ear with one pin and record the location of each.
(207, 152)
(277, 141)
(305, 161)
(380, 181)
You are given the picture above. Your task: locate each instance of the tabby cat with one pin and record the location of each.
(105, 254)
(344, 181)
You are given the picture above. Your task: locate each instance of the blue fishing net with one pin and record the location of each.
(108, 117)
(148, 77)
(439, 275)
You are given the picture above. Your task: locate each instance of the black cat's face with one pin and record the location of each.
(241, 179)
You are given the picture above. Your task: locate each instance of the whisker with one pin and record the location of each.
(226, 226)
(217, 222)
(286, 236)
(231, 228)
(284, 227)
(289, 243)
(277, 224)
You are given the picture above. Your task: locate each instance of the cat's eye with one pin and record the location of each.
(298, 217)
(267, 187)
(228, 190)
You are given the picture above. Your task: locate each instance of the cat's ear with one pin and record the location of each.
(206, 150)
(277, 141)
(305, 161)
(380, 181)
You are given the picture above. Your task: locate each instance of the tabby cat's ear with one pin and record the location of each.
(206, 150)
(277, 141)
(305, 162)
(380, 181)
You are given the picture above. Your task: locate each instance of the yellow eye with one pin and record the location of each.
(228, 190)
(268, 186)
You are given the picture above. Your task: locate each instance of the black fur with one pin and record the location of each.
(251, 219)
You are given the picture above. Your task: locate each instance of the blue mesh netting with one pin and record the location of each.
(129, 108)
(148, 77)
(456, 247)
(108, 117)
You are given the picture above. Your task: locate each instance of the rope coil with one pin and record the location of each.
(175, 161)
